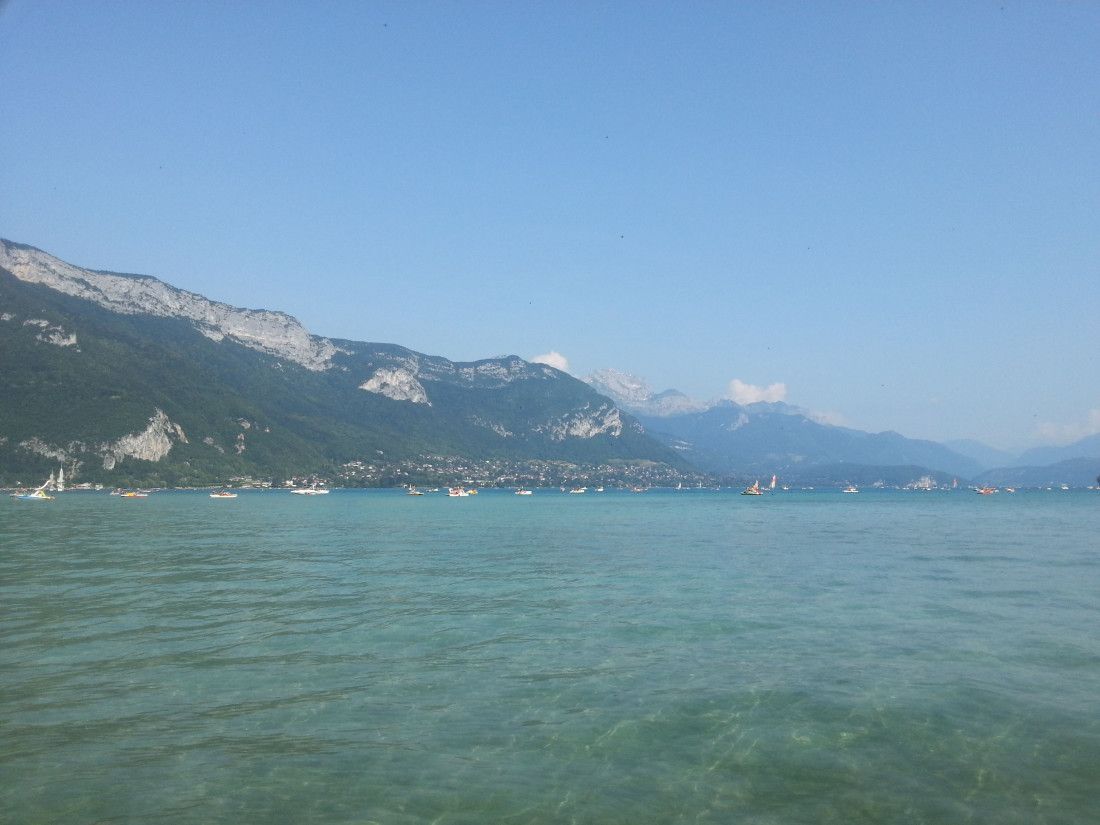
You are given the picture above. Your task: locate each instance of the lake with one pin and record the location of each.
(671, 657)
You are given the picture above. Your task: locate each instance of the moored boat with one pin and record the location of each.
(222, 494)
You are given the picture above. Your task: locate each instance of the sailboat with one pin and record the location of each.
(60, 485)
(753, 489)
(772, 485)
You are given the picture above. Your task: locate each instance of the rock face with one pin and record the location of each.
(151, 444)
(398, 384)
(275, 333)
(586, 423)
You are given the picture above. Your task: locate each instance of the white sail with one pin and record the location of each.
(60, 479)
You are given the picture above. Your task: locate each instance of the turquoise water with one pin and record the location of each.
(669, 658)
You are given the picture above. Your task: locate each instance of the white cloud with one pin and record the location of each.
(552, 359)
(1068, 433)
(742, 393)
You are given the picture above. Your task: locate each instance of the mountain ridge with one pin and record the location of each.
(99, 368)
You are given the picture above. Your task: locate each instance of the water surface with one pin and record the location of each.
(667, 658)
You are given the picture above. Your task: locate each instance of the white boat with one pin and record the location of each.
(753, 490)
(133, 494)
(222, 494)
(524, 493)
(599, 489)
(457, 492)
(851, 488)
(413, 492)
(577, 491)
(310, 491)
(772, 485)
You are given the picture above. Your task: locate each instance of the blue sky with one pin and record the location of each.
(891, 209)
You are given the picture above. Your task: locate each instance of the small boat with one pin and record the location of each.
(133, 494)
(457, 492)
(599, 489)
(638, 489)
(310, 491)
(986, 491)
(851, 488)
(753, 490)
(576, 491)
(1010, 489)
(524, 493)
(772, 485)
(413, 492)
(222, 494)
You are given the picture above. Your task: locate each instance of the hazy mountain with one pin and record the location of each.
(635, 394)
(124, 375)
(1088, 447)
(986, 456)
(1076, 472)
(762, 438)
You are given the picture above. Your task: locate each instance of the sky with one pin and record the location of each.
(886, 213)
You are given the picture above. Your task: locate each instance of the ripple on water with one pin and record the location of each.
(630, 659)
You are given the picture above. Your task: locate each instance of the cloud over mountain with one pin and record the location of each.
(552, 359)
(741, 393)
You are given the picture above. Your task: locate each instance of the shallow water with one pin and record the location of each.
(667, 657)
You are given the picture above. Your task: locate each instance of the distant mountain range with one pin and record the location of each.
(758, 439)
(124, 377)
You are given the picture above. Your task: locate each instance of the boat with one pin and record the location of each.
(133, 494)
(310, 491)
(851, 488)
(414, 492)
(772, 485)
(1010, 489)
(524, 493)
(985, 491)
(457, 492)
(576, 491)
(222, 494)
(753, 490)
(599, 489)
(37, 495)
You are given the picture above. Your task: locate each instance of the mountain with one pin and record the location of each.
(758, 439)
(124, 377)
(986, 456)
(634, 393)
(1088, 447)
(1076, 472)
